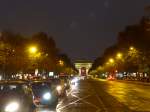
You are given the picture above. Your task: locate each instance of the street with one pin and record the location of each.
(82, 98)
(106, 96)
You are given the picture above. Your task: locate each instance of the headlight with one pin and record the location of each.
(47, 96)
(12, 107)
(59, 88)
(65, 84)
(75, 80)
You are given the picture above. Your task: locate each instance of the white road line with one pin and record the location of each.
(103, 106)
(72, 103)
(98, 109)
(100, 101)
(73, 94)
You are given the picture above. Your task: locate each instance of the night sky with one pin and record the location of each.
(81, 28)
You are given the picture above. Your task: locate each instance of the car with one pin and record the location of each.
(15, 96)
(65, 81)
(75, 80)
(43, 94)
(62, 85)
(56, 85)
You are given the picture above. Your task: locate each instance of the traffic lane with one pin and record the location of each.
(81, 98)
(135, 96)
(132, 96)
(43, 110)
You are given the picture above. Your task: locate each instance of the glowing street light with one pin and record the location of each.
(33, 49)
(61, 63)
(119, 55)
(131, 48)
(111, 60)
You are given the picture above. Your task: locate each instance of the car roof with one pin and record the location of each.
(13, 82)
(40, 81)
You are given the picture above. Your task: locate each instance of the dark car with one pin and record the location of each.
(43, 94)
(65, 80)
(60, 85)
(15, 96)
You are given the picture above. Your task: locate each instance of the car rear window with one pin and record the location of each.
(39, 88)
(12, 88)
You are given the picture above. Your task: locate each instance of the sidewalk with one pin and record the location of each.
(133, 82)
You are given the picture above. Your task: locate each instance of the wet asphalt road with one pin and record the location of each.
(106, 96)
(123, 96)
(81, 98)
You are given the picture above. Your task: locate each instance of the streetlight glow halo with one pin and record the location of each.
(33, 49)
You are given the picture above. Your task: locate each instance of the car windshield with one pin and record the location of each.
(40, 88)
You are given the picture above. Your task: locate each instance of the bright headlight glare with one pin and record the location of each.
(59, 88)
(12, 107)
(74, 80)
(65, 84)
(47, 96)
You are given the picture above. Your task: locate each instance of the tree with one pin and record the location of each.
(138, 59)
(47, 47)
(11, 50)
(67, 66)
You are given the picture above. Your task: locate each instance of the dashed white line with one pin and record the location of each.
(73, 94)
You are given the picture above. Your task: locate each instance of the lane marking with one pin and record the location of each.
(100, 101)
(89, 103)
(73, 93)
(72, 103)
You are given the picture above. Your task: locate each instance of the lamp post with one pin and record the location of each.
(131, 48)
(119, 55)
(111, 60)
(33, 54)
(61, 63)
(32, 49)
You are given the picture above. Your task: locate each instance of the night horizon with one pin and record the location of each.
(75, 56)
(87, 27)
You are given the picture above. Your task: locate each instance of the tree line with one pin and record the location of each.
(134, 48)
(16, 58)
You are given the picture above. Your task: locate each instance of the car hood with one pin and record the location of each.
(9, 97)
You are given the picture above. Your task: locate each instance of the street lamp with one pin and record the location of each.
(111, 60)
(61, 63)
(33, 55)
(133, 51)
(33, 49)
(131, 48)
(119, 55)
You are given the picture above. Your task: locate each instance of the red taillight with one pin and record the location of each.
(110, 78)
(36, 100)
